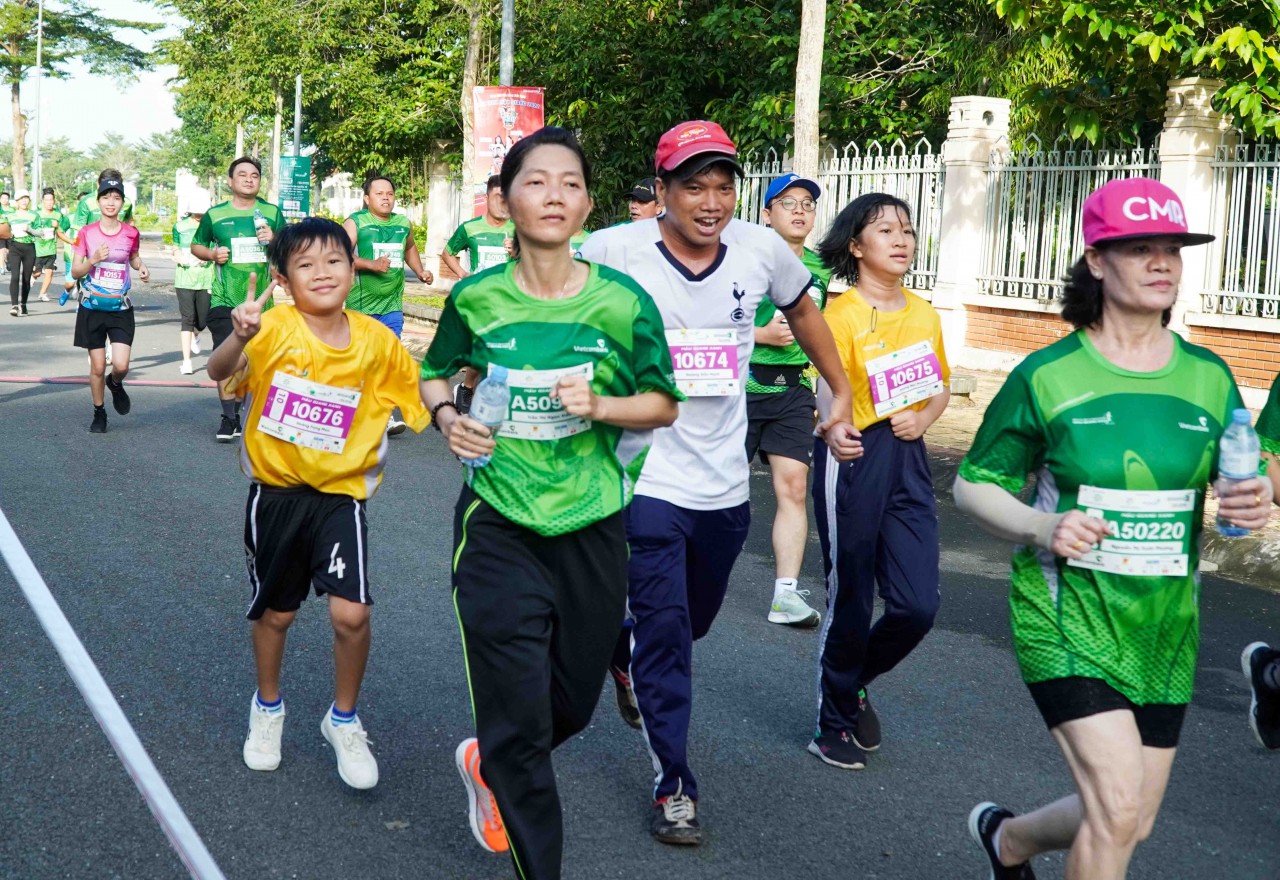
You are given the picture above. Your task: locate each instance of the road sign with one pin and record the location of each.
(295, 186)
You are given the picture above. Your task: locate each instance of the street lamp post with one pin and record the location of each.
(506, 46)
(35, 162)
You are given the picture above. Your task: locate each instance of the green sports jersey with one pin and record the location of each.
(553, 472)
(788, 355)
(21, 222)
(1136, 449)
(485, 244)
(225, 225)
(578, 240)
(46, 231)
(87, 211)
(198, 275)
(377, 293)
(1268, 426)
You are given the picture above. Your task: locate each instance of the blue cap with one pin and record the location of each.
(785, 182)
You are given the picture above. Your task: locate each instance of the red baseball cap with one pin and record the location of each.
(695, 139)
(1136, 207)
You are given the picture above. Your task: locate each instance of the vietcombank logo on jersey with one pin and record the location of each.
(1095, 420)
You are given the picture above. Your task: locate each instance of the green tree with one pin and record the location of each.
(73, 31)
(65, 168)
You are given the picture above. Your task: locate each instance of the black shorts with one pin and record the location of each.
(219, 323)
(94, 328)
(1069, 699)
(781, 423)
(193, 305)
(46, 263)
(298, 538)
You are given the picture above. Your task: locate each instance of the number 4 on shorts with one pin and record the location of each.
(336, 565)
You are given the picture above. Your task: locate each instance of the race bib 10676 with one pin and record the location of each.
(308, 414)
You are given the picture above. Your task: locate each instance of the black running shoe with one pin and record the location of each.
(1264, 710)
(866, 731)
(236, 430)
(99, 423)
(628, 708)
(226, 430)
(675, 820)
(119, 397)
(839, 750)
(984, 821)
(462, 398)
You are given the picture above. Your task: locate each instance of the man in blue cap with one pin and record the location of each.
(780, 401)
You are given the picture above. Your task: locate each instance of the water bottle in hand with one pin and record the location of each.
(259, 222)
(489, 406)
(1238, 453)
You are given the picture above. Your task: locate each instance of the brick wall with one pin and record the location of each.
(1012, 330)
(1254, 357)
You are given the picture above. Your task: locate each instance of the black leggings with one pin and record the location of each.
(22, 259)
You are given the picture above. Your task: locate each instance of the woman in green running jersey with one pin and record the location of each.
(1119, 421)
(540, 560)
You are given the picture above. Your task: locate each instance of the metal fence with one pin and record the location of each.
(913, 174)
(1034, 196)
(1244, 273)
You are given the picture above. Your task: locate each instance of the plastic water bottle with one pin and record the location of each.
(489, 406)
(259, 222)
(1238, 452)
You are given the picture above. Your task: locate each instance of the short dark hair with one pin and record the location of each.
(6, 193)
(302, 235)
(494, 181)
(848, 225)
(368, 184)
(671, 176)
(231, 170)
(79, 195)
(1082, 295)
(109, 174)
(48, 191)
(548, 135)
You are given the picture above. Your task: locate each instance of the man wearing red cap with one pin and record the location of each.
(708, 273)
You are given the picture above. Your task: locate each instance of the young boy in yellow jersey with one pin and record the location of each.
(319, 383)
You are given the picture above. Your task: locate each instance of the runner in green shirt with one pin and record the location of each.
(234, 235)
(540, 568)
(1120, 424)
(51, 228)
(1259, 661)
(5, 208)
(192, 280)
(69, 283)
(780, 401)
(22, 251)
(486, 239)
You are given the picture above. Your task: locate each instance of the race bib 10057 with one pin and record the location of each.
(533, 413)
(705, 361)
(308, 414)
(1150, 530)
(904, 377)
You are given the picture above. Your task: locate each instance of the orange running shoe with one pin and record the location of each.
(486, 824)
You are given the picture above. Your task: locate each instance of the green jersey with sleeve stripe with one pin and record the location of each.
(1137, 450)
(197, 274)
(46, 231)
(553, 472)
(377, 293)
(485, 244)
(1268, 426)
(793, 354)
(227, 226)
(87, 211)
(21, 221)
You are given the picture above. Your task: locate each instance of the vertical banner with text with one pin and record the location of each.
(503, 115)
(295, 186)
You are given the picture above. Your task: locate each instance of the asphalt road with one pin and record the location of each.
(138, 535)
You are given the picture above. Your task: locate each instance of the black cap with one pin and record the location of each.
(644, 190)
(109, 185)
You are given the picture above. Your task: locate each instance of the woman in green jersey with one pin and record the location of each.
(1120, 422)
(540, 565)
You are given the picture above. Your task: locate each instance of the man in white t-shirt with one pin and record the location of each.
(707, 272)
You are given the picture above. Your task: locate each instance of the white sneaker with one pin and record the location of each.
(395, 426)
(350, 743)
(790, 608)
(262, 746)
(186, 369)
(44, 297)
(195, 343)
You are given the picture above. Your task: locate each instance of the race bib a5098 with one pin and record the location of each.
(533, 413)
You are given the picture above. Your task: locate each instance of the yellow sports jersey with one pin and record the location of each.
(317, 415)
(894, 360)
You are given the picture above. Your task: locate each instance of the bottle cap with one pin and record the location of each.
(498, 373)
(1241, 416)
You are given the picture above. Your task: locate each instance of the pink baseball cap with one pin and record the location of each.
(695, 139)
(1136, 207)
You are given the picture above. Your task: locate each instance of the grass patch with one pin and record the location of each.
(434, 300)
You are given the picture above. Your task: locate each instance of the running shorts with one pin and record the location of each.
(393, 320)
(48, 263)
(219, 323)
(296, 538)
(1069, 699)
(193, 305)
(781, 423)
(94, 328)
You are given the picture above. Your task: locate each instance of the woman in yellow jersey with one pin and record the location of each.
(875, 515)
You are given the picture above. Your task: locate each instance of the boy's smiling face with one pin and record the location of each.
(319, 278)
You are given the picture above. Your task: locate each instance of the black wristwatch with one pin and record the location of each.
(436, 409)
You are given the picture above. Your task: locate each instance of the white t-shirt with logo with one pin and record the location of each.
(700, 462)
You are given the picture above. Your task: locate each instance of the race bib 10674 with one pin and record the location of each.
(705, 361)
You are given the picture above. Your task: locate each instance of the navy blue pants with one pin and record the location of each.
(678, 575)
(878, 523)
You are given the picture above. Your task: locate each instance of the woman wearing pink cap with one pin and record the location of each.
(1119, 422)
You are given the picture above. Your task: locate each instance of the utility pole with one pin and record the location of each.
(507, 47)
(35, 161)
(297, 116)
(813, 21)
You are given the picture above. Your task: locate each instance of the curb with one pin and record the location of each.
(1253, 559)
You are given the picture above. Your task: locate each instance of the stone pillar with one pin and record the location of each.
(1192, 132)
(976, 126)
(441, 218)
